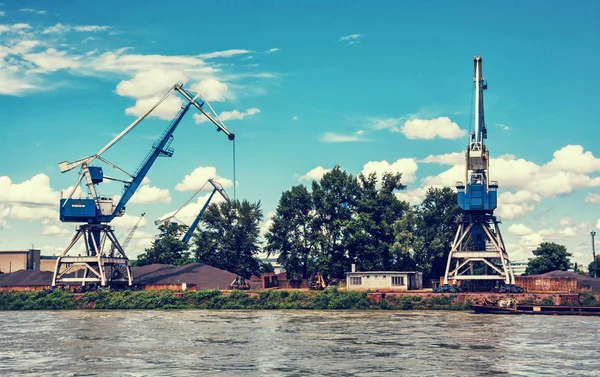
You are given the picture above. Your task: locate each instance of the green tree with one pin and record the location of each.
(168, 248)
(291, 234)
(229, 237)
(435, 230)
(335, 199)
(594, 268)
(371, 231)
(549, 257)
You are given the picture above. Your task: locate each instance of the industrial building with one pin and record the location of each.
(11, 261)
(392, 280)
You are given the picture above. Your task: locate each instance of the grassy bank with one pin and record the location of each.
(331, 299)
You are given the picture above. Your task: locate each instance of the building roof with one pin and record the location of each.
(202, 275)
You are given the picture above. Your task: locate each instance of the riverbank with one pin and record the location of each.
(329, 299)
(333, 299)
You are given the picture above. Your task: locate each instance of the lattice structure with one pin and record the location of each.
(478, 251)
(105, 262)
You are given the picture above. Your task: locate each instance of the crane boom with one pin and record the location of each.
(216, 187)
(160, 148)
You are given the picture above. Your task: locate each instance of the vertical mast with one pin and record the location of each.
(477, 78)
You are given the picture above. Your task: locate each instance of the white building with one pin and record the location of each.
(519, 266)
(395, 280)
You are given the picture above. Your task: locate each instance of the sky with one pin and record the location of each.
(304, 85)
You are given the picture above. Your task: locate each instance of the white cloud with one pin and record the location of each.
(14, 28)
(224, 54)
(520, 229)
(60, 28)
(228, 115)
(151, 194)
(123, 224)
(455, 158)
(34, 191)
(519, 174)
(271, 50)
(52, 60)
(295, 117)
(332, 137)
(572, 159)
(149, 83)
(2, 14)
(31, 10)
(166, 110)
(519, 204)
(199, 178)
(314, 174)
(592, 198)
(32, 213)
(52, 228)
(565, 221)
(392, 124)
(351, 39)
(4, 212)
(266, 225)
(441, 127)
(413, 197)
(598, 224)
(407, 166)
(212, 90)
(503, 126)
(577, 230)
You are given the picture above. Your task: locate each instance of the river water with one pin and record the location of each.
(295, 343)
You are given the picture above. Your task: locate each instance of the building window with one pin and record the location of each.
(355, 280)
(397, 280)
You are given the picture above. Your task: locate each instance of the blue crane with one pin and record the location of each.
(217, 187)
(478, 241)
(95, 212)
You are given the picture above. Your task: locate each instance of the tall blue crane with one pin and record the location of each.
(95, 212)
(478, 241)
(217, 187)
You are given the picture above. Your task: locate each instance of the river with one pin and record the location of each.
(295, 343)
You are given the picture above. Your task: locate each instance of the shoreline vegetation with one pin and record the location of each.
(329, 299)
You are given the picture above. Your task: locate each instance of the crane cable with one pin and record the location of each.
(234, 181)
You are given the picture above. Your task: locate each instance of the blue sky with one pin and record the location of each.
(304, 86)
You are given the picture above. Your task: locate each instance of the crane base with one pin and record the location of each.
(478, 245)
(104, 262)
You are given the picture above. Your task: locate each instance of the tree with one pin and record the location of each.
(549, 257)
(291, 235)
(371, 231)
(435, 230)
(344, 220)
(335, 199)
(168, 248)
(594, 268)
(228, 238)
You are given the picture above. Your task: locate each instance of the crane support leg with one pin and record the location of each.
(104, 263)
(478, 243)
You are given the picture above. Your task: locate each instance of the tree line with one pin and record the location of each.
(342, 220)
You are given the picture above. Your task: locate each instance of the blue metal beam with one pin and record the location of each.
(192, 229)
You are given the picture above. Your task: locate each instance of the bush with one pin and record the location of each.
(547, 301)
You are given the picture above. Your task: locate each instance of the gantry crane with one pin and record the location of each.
(217, 187)
(478, 241)
(95, 211)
